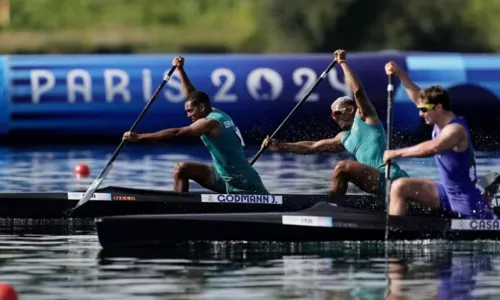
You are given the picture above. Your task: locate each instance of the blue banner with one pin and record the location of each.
(4, 96)
(101, 95)
(473, 82)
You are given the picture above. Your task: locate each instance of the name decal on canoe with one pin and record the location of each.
(459, 224)
(95, 196)
(239, 198)
(307, 221)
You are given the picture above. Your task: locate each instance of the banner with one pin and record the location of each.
(472, 81)
(101, 95)
(4, 96)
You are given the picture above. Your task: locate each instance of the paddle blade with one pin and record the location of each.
(95, 185)
(86, 197)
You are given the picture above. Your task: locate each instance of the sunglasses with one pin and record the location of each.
(337, 113)
(426, 107)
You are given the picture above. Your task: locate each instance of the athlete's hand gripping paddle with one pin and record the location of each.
(93, 187)
(304, 98)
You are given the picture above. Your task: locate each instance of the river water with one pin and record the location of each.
(75, 267)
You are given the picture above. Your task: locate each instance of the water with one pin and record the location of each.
(49, 168)
(75, 267)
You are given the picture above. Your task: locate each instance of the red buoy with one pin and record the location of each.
(7, 292)
(81, 171)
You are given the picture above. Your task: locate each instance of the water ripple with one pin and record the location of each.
(151, 167)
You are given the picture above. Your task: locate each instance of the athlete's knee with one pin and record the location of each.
(342, 169)
(179, 169)
(398, 187)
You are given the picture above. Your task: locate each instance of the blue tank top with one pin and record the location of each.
(458, 176)
(457, 170)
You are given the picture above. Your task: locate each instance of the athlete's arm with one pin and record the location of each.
(366, 108)
(451, 137)
(332, 145)
(187, 86)
(412, 90)
(200, 127)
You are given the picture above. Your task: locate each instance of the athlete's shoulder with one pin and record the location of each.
(371, 120)
(455, 130)
(221, 120)
(462, 121)
(458, 122)
(217, 113)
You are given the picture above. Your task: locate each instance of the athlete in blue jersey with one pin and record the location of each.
(231, 172)
(451, 145)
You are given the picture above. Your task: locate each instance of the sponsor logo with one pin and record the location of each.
(229, 124)
(238, 198)
(307, 221)
(264, 84)
(345, 225)
(475, 224)
(124, 198)
(95, 196)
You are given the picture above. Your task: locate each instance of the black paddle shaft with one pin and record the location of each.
(146, 108)
(390, 91)
(323, 75)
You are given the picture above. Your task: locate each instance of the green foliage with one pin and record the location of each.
(251, 25)
(485, 15)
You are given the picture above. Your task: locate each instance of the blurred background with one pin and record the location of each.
(247, 26)
(114, 54)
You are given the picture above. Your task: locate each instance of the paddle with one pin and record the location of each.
(93, 187)
(311, 89)
(390, 90)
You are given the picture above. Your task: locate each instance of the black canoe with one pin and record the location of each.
(111, 201)
(322, 222)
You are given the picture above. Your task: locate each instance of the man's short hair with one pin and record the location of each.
(435, 95)
(198, 97)
(344, 100)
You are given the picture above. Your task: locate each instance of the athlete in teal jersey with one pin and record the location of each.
(362, 135)
(367, 143)
(231, 172)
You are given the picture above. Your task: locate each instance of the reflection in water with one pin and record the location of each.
(453, 273)
(417, 270)
(74, 267)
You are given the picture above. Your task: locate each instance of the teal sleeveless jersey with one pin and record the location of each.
(367, 143)
(228, 154)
